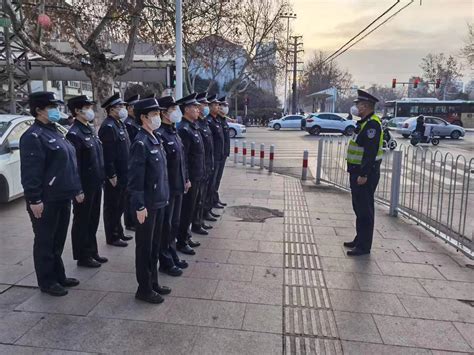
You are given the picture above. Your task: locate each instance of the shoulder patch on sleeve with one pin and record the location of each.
(371, 132)
(109, 124)
(34, 134)
(140, 142)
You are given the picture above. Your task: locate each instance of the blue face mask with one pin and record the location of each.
(206, 111)
(53, 115)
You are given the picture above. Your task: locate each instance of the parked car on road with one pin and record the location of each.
(440, 128)
(328, 122)
(236, 130)
(12, 128)
(289, 121)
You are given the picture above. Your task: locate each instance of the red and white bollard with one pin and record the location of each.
(272, 156)
(236, 151)
(262, 155)
(304, 172)
(252, 154)
(244, 153)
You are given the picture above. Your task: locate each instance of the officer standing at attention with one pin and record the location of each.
(198, 225)
(179, 185)
(116, 145)
(217, 130)
(132, 130)
(90, 164)
(149, 194)
(364, 156)
(223, 111)
(194, 155)
(50, 181)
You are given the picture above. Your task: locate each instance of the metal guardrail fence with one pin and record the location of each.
(434, 189)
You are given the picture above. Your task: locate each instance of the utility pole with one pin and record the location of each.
(179, 49)
(295, 52)
(288, 16)
(235, 95)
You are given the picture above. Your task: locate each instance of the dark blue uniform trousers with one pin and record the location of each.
(168, 255)
(363, 204)
(50, 234)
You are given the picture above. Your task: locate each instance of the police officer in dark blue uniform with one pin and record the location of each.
(194, 154)
(90, 163)
(198, 225)
(132, 130)
(50, 181)
(116, 145)
(215, 125)
(178, 182)
(223, 111)
(149, 195)
(364, 157)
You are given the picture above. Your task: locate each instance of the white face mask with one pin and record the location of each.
(123, 113)
(89, 114)
(225, 110)
(354, 111)
(176, 115)
(155, 122)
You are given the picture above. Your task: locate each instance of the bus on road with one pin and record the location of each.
(458, 112)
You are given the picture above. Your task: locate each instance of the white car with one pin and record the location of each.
(440, 127)
(236, 130)
(328, 122)
(12, 128)
(290, 121)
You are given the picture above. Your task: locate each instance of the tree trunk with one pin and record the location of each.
(102, 87)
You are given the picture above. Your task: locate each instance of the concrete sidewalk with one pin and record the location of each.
(280, 285)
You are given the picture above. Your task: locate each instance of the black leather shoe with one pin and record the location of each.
(88, 262)
(100, 259)
(349, 244)
(214, 214)
(186, 250)
(69, 282)
(130, 228)
(193, 244)
(126, 238)
(173, 271)
(218, 206)
(200, 231)
(182, 264)
(119, 243)
(206, 226)
(222, 203)
(55, 290)
(357, 252)
(151, 297)
(209, 218)
(162, 290)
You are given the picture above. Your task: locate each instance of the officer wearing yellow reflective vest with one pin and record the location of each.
(364, 155)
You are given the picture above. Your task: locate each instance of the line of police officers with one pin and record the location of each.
(159, 163)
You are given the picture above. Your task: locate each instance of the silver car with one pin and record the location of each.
(440, 127)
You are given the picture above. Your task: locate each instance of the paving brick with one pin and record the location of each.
(409, 270)
(263, 318)
(359, 348)
(219, 271)
(390, 284)
(467, 331)
(249, 292)
(342, 280)
(350, 265)
(14, 324)
(357, 326)
(449, 289)
(255, 258)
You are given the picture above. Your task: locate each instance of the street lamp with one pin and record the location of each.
(288, 16)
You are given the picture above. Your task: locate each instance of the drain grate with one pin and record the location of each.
(309, 325)
(254, 213)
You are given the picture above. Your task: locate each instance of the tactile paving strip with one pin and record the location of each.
(309, 325)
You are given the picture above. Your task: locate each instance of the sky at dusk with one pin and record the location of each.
(395, 49)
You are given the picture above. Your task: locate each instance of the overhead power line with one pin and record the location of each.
(360, 39)
(367, 27)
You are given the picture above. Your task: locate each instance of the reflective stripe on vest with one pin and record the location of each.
(355, 152)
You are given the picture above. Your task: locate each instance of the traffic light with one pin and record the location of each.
(416, 82)
(394, 83)
(438, 83)
(173, 76)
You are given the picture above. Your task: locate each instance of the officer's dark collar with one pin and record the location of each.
(49, 125)
(86, 128)
(151, 137)
(367, 117)
(190, 122)
(168, 127)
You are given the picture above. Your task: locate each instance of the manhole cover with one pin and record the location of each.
(254, 213)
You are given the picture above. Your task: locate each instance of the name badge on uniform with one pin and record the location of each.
(122, 132)
(195, 134)
(52, 140)
(154, 151)
(170, 143)
(88, 138)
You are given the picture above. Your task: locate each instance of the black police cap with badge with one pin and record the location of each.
(202, 98)
(365, 96)
(223, 101)
(145, 106)
(166, 102)
(132, 100)
(212, 99)
(43, 98)
(115, 99)
(188, 100)
(78, 102)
